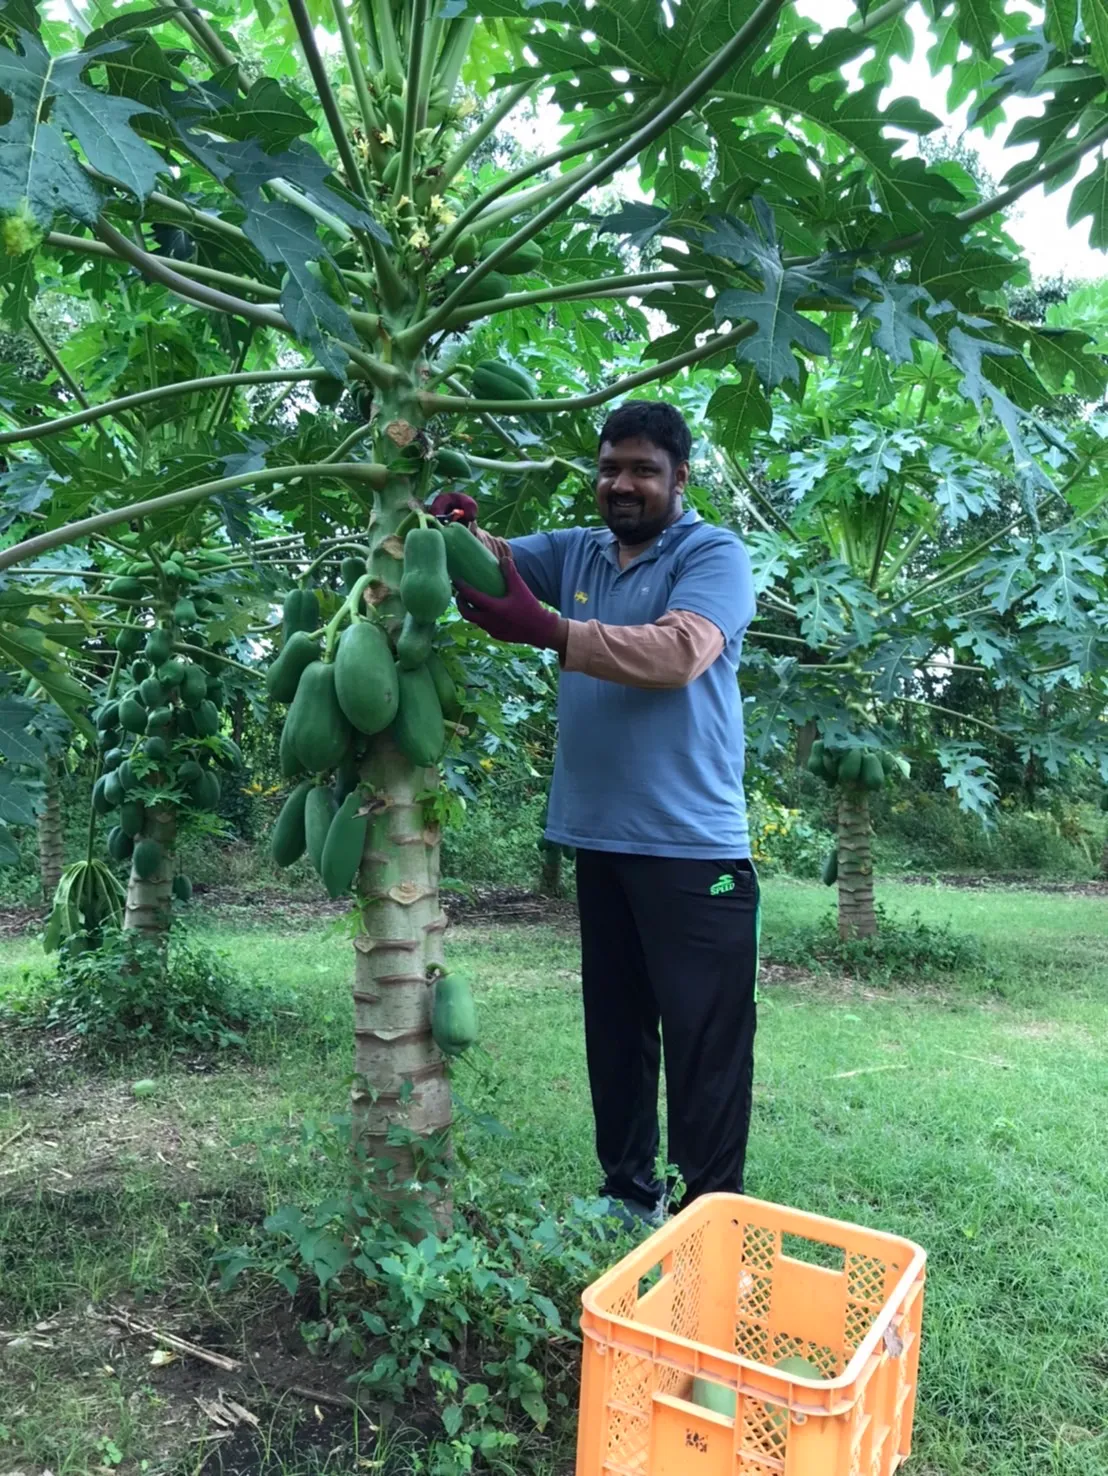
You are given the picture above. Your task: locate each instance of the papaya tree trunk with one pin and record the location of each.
(51, 856)
(550, 872)
(400, 1080)
(857, 918)
(149, 907)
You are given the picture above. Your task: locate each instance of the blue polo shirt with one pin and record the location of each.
(649, 773)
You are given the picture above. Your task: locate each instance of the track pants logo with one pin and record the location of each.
(720, 888)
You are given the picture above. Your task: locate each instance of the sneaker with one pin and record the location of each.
(633, 1216)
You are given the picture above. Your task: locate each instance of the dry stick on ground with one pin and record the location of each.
(15, 1137)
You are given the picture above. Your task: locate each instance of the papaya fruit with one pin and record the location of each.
(287, 760)
(99, 799)
(343, 846)
(189, 773)
(148, 857)
(152, 693)
(491, 288)
(321, 731)
(873, 775)
(159, 646)
(889, 766)
(465, 249)
(207, 719)
(717, 1397)
(230, 754)
(328, 391)
(205, 791)
(132, 812)
(171, 672)
(140, 670)
(283, 676)
(453, 465)
(132, 714)
(319, 811)
(850, 769)
(128, 640)
(113, 758)
(113, 789)
(182, 887)
(156, 749)
(445, 688)
(185, 612)
(193, 685)
(287, 841)
(350, 571)
(346, 776)
(830, 873)
(365, 677)
(470, 562)
(216, 691)
(524, 259)
(300, 611)
(126, 588)
(128, 779)
(425, 584)
(418, 727)
(798, 1368)
(160, 720)
(453, 1014)
(108, 717)
(120, 844)
(815, 759)
(831, 757)
(495, 380)
(110, 738)
(414, 643)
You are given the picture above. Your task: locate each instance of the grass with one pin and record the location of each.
(963, 1111)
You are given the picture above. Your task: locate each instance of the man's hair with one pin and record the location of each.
(653, 421)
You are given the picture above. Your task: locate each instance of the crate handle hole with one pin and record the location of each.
(814, 1252)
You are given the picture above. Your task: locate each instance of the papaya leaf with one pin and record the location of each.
(1090, 197)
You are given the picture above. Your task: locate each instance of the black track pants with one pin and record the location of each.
(669, 943)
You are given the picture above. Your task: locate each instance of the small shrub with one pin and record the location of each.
(902, 949)
(125, 997)
(783, 839)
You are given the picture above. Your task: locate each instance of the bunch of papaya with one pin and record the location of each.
(853, 764)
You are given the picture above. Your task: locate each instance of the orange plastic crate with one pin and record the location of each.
(723, 1291)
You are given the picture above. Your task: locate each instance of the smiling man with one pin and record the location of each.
(647, 617)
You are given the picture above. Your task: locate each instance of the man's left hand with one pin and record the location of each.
(517, 617)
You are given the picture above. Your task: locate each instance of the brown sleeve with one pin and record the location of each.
(500, 548)
(672, 652)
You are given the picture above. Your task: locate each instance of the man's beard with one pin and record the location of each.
(624, 516)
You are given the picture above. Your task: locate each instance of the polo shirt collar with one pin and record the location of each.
(611, 546)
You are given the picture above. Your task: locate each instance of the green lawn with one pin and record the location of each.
(964, 1112)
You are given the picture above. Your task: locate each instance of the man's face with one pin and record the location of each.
(638, 489)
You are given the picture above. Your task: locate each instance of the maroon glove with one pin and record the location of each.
(454, 507)
(517, 617)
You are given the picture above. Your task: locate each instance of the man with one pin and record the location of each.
(648, 788)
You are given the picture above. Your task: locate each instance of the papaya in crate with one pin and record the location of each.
(343, 847)
(319, 811)
(453, 1014)
(470, 562)
(288, 839)
(321, 731)
(418, 729)
(414, 643)
(285, 671)
(365, 677)
(425, 584)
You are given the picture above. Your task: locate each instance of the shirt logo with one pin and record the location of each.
(581, 597)
(720, 888)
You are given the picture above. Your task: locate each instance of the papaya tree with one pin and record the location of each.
(349, 214)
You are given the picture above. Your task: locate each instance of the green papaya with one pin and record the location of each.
(346, 776)
(151, 693)
(188, 773)
(491, 288)
(182, 887)
(128, 779)
(418, 728)
(140, 670)
(524, 259)
(185, 612)
(205, 791)
(464, 250)
(425, 584)
(495, 380)
(99, 799)
(230, 754)
(830, 873)
(453, 1014)
(873, 775)
(148, 857)
(301, 611)
(216, 691)
(453, 465)
(850, 769)
(108, 717)
(798, 1368)
(889, 765)
(287, 760)
(283, 676)
(194, 685)
(113, 758)
(815, 759)
(207, 719)
(414, 643)
(717, 1397)
(126, 588)
(321, 731)
(132, 714)
(445, 688)
(132, 812)
(159, 645)
(287, 842)
(343, 846)
(113, 789)
(107, 740)
(365, 677)
(831, 757)
(470, 562)
(156, 749)
(319, 811)
(160, 721)
(328, 391)
(120, 844)
(171, 672)
(350, 571)
(128, 640)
